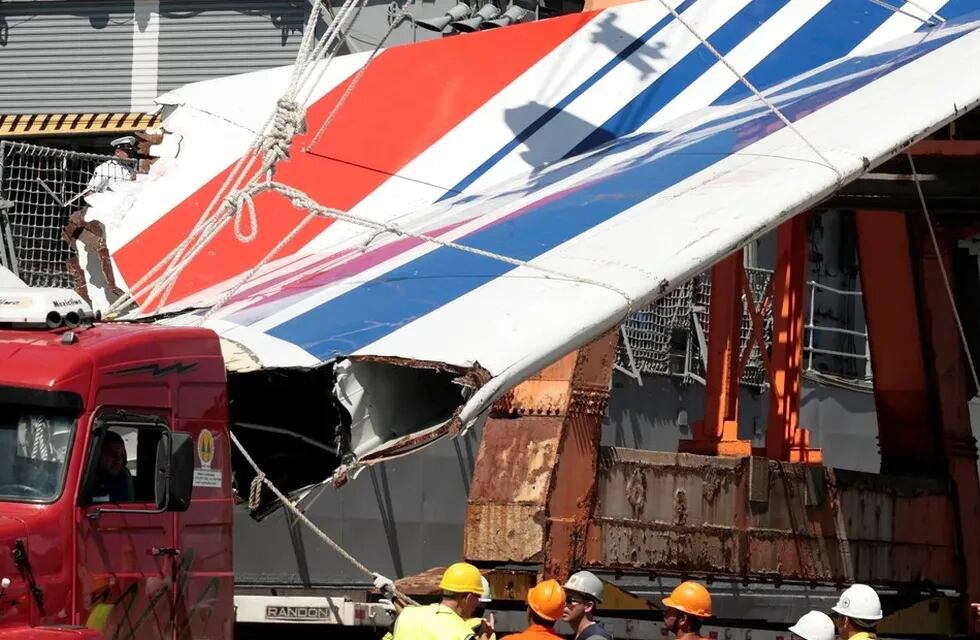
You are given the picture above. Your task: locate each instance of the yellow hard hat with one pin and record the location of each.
(462, 577)
(691, 598)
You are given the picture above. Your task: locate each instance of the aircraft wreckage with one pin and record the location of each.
(433, 229)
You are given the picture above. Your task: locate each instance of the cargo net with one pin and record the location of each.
(40, 187)
(670, 336)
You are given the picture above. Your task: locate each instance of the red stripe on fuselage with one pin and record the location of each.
(409, 98)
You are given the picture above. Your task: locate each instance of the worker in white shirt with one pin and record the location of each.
(117, 169)
(91, 234)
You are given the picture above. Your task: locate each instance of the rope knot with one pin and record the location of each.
(255, 492)
(236, 202)
(287, 121)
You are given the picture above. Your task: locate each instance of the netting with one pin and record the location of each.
(44, 186)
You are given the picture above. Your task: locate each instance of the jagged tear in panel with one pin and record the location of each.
(304, 427)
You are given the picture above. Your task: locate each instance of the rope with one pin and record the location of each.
(402, 16)
(261, 479)
(255, 492)
(942, 270)
(301, 200)
(758, 94)
(258, 266)
(929, 23)
(272, 145)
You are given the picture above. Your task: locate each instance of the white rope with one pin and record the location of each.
(942, 270)
(931, 14)
(258, 266)
(301, 200)
(272, 145)
(261, 477)
(929, 23)
(357, 78)
(758, 94)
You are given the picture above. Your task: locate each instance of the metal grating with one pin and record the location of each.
(44, 186)
(669, 337)
(666, 337)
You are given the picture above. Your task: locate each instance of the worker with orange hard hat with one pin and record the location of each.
(545, 605)
(686, 609)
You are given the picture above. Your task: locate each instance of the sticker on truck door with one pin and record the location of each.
(204, 475)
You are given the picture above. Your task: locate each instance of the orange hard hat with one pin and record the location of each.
(691, 598)
(547, 599)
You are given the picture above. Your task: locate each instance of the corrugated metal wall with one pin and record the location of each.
(201, 39)
(65, 56)
(98, 56)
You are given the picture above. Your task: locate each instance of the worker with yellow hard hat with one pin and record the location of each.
(686, 609)
(462, 588)
(545, 606)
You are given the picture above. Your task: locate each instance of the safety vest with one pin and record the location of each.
(864, 635)
(431, 622)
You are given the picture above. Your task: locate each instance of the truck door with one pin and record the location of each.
(127, 552)
(205, 589)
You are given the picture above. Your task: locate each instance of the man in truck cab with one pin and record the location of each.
(114, 482)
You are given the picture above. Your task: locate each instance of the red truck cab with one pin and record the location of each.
(115, 482)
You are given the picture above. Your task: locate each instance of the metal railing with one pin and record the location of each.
(861, 359)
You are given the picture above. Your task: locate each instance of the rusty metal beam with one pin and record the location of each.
(947, 148)
(752, 518)
(717, 434)
(785, 438)
(948, 374)
(533, 487)
(906, 436)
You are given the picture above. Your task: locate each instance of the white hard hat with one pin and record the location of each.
(124, 141)
(485, 596)
(860, 602)
(586, 583)
(814, 626)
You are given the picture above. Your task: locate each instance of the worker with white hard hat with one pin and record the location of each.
(583, 593)
(476, 620)
(815, 625)
(858, 612)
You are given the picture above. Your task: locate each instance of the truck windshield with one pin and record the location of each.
(34, 447)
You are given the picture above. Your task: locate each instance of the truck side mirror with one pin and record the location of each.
(174, 471)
